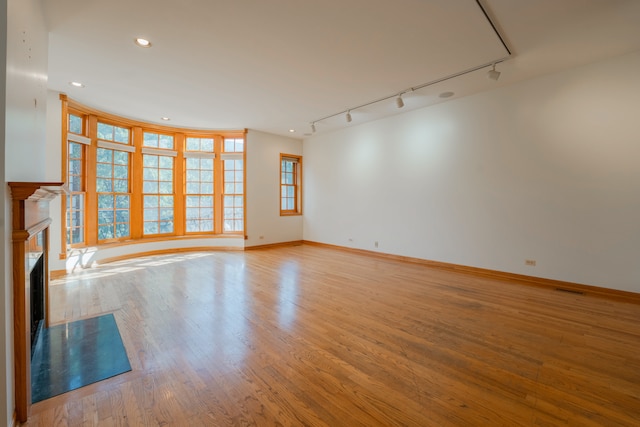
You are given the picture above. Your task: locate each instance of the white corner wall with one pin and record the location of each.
(547, 169)
(23, 146)
(264, 223)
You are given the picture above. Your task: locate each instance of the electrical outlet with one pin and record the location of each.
(375, 244)
(531, 262)
(351, 239)
(261, 237)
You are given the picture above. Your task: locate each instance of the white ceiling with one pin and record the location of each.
(282, 64)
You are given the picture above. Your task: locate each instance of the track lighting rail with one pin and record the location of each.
(398, 95)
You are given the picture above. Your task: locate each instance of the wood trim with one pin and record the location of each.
(597, 291)
(124, 122)
(179, 176)
(167, 251)
(64, 172)
(30, 216)
(35, 191)
(297, 177)
(275, 245)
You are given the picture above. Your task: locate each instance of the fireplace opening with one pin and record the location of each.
(36, 281)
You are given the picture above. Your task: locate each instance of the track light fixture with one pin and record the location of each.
(493, 74)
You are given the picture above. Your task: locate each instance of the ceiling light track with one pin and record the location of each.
(348, 111)
(493, 74)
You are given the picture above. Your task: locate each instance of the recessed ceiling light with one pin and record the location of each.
(142, 42)
(446, 94)
(292, 130)
(166, 119)
(76, 84)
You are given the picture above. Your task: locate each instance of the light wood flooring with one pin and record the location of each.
(310, 335)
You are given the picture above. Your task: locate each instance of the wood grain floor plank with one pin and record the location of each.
(313, 336)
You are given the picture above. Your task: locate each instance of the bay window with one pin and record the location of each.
(130, 181)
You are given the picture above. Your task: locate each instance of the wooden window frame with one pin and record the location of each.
(297, 184)
(114, 147)
(91, 117)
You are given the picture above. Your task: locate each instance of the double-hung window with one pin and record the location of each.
(113, 183)
(199, 185)
(158, 160)
(233, 197)
(76, 179)
(290, 184)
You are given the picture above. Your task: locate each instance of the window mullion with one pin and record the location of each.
(178, 186)
(136, 184)
(218, 179)
(91, 200)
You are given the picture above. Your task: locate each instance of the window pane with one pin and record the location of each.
(122, 201)
(151, 214)
(166, 141)
(165, 188)
(151, 228)
(104, 170)
(233, 145)
(150, 160)
(122, 230)
(122, 215)
(75, 124)
(105, 232)
(121, 135)
(150, 187)
(150, 140)
(166, 227)
(166, 201)
(206, 144)
(120, 186)
(166, 162)
(121, 157)
(105, 217)
(105, 132)
(193, 188)
(151, 201)
(166, 175)
(193, 144)
(104, 155)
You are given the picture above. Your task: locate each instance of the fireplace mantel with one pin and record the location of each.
(30, 217)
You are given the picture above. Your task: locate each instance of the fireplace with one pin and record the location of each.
(36, 283)
(30, 236)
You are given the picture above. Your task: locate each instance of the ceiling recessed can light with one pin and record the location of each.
(292, 130)
(76, 84)
(446, 95)
(142, 42)
(166, 119)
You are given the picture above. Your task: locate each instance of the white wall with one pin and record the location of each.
(264, 223)
(54, 173)
(547, 169)
(23, 145)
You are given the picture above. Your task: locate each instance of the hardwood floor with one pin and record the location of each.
(307, 335)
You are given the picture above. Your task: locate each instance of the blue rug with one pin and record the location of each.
(73, 355)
